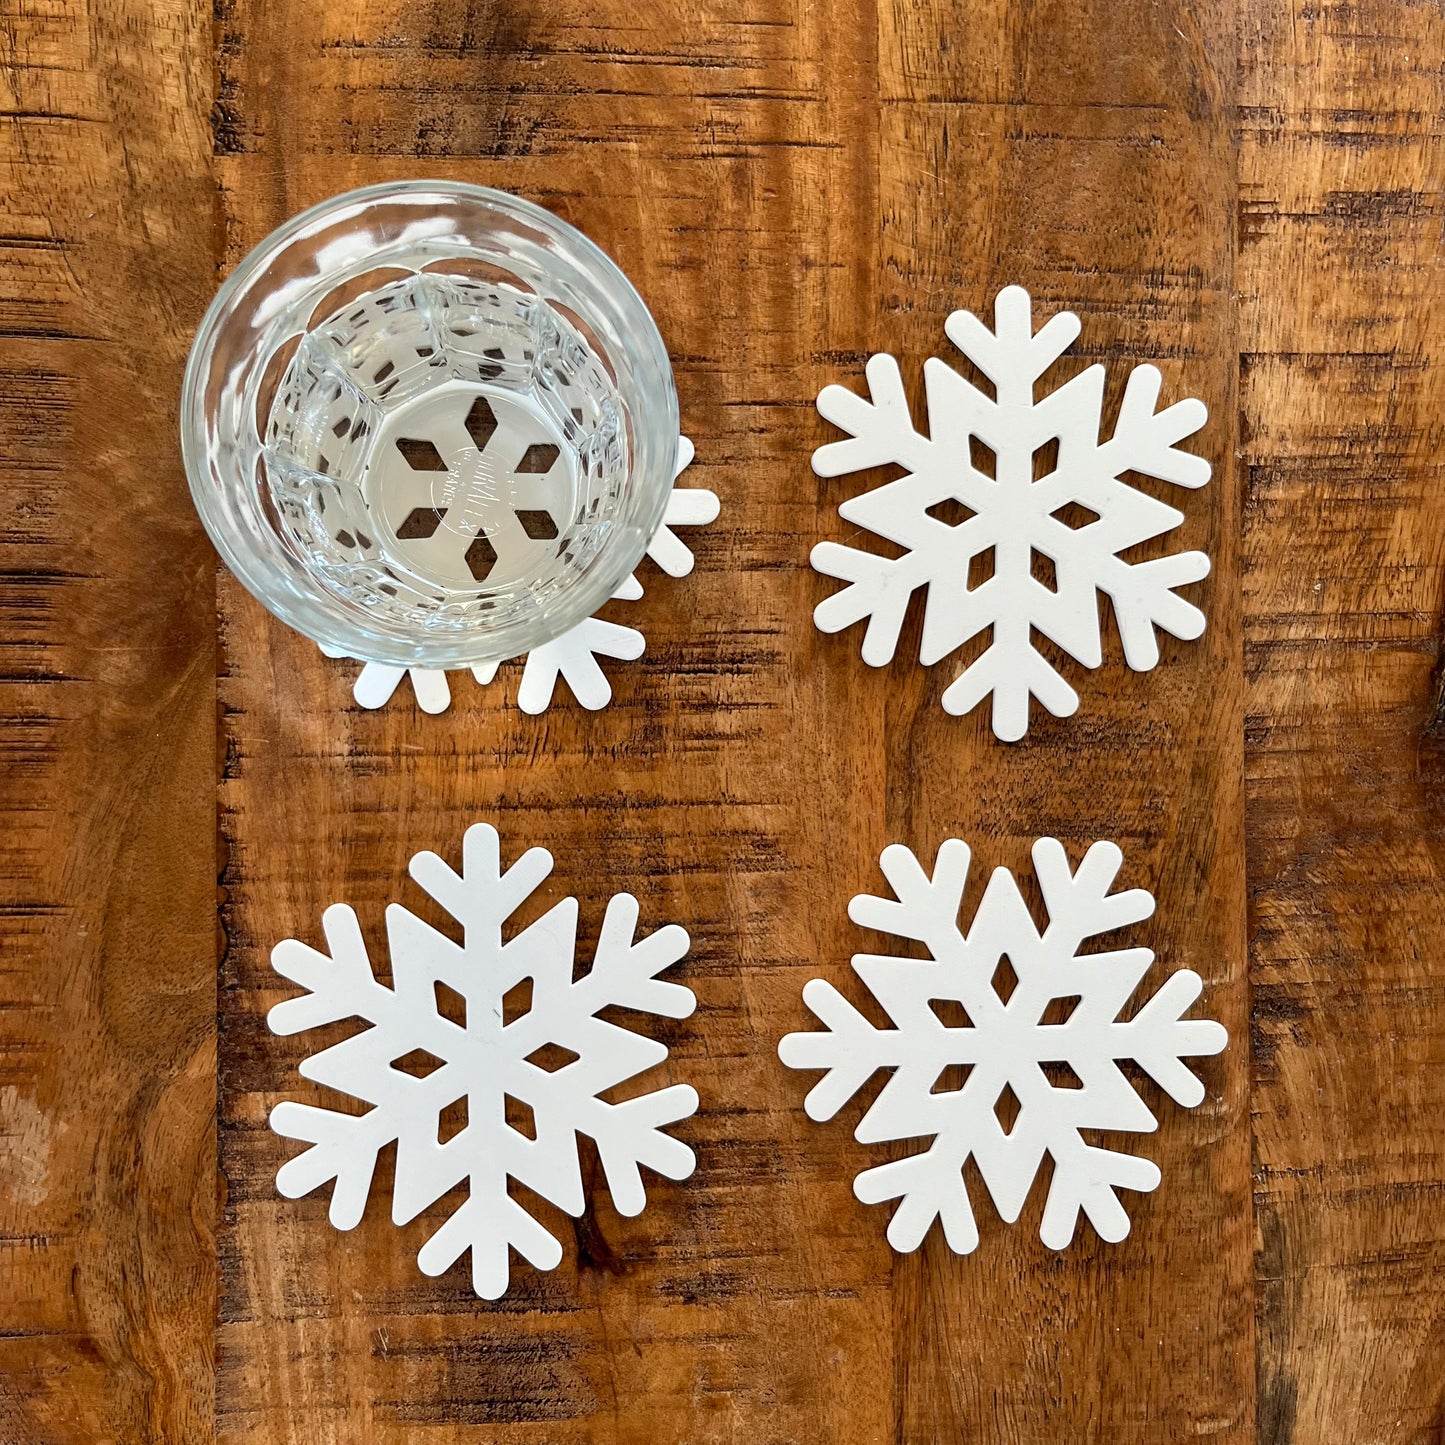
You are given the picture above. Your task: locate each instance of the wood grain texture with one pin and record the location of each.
(107, 725)
(790, 188)
(1342, 394)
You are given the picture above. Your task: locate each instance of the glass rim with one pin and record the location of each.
(602, 282)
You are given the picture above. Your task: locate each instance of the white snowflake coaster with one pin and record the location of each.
(969, 1033)
(1051, 527)
(486, 1061)
(573, 656)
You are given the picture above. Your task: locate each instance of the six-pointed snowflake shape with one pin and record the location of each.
(573, 656)
(1053, 529)
(485, 1060)
(953, 1015)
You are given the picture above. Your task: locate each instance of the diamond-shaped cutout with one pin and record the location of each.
(419, 524)
(1043, 571)
(1060, 1010)
(982, 458)
(1061, 1075)
(1046, 459)
(552, 1056)
(1075, 515)
(420, 454)
(980, 568)
(1006, 1109)
(1005, 980)
(950, 1013)
(450, 1004)
(951, 512)
(481, 422)
(516, 1002)
(419, 1063)
(520, 1116)
(452, 1120)
(951, 1079)
(538, 458)
(481, 558)
(538, 525)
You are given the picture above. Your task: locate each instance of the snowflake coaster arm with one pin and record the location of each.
(1143, 593)
(1002, 1045)
(573, 656)
(344, 1147)
(686, 507)
(1054, 532)
(485, 1060)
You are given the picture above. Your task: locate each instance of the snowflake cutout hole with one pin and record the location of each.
(573, 657)
(1013, 514)
(1005, 1046)
(417, 1061)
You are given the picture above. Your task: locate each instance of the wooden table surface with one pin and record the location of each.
(1248, 194)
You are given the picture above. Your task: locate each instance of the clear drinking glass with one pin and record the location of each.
(429, 424)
